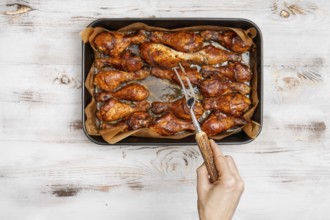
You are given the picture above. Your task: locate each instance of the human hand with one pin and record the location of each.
(219, 200)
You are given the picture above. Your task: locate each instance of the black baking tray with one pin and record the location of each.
(171, 23)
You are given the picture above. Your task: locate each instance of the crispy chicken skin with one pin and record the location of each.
(131, 92)
(218, 122)
(158, 55)
(134, 121)
(102, 96)
(194, 76)
(127, 61)
(114, 43)
(212, 55)
(234, 71)
(233, 104)
(183, 41)
(109, 80)
(178, 108)
(139, 120)
(215, 87)
(228, 39)
(169, 124)
(113, 109)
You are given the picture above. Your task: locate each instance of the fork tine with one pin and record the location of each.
(182, 84)
(191, 89)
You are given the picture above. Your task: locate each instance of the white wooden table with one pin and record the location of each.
(50, 170)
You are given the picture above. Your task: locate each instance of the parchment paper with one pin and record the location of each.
(114, 135)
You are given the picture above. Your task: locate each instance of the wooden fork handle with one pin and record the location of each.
(207, 153)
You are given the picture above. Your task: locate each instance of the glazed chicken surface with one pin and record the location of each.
(218, 122)
(109, 80)
(178, 108)
(127, 61)
(159, 55)
(184, 41)
(131, 92)
(233, 104)
(113, 109)
(215, 87)
(139, 120)
(169, 124)
(194, 76)
(234, 71)
(134, 121)
(212, 55)
(114, 43)
(228, 39)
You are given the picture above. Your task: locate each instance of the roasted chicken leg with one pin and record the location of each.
(235, 72)
(169, 124)
(211, 55)
(111, 79)
(215, 87)
(183, 41)
(194, 76)
(134, 121)
(228, 39)
(178, 108)
(114, 43)
(234, 104)
(113, 109)
(131, 92)
(127, 61)
(218, 122)
(158, 55)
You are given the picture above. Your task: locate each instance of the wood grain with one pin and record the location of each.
(50, 170)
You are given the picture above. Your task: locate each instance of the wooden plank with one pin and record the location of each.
(81, 175)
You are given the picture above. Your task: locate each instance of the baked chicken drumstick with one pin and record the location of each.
(109, 80)
(113, 109)
(178, 108)
(233, 104)
(114, 43)
(131, 92)
(127, 61)
(169, 124)
(183, 41)
(218, 122)
(235, 72)
(134, 121)
(158, 55)
(215, 87)
(228, 39)
(194, 76)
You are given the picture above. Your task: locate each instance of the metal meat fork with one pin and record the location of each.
(201, 137)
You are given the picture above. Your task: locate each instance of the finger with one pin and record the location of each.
(232, 167)
(219, 159)
(203, 182)
(215, 148)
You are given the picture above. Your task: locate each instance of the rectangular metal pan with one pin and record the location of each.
(171, 23)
